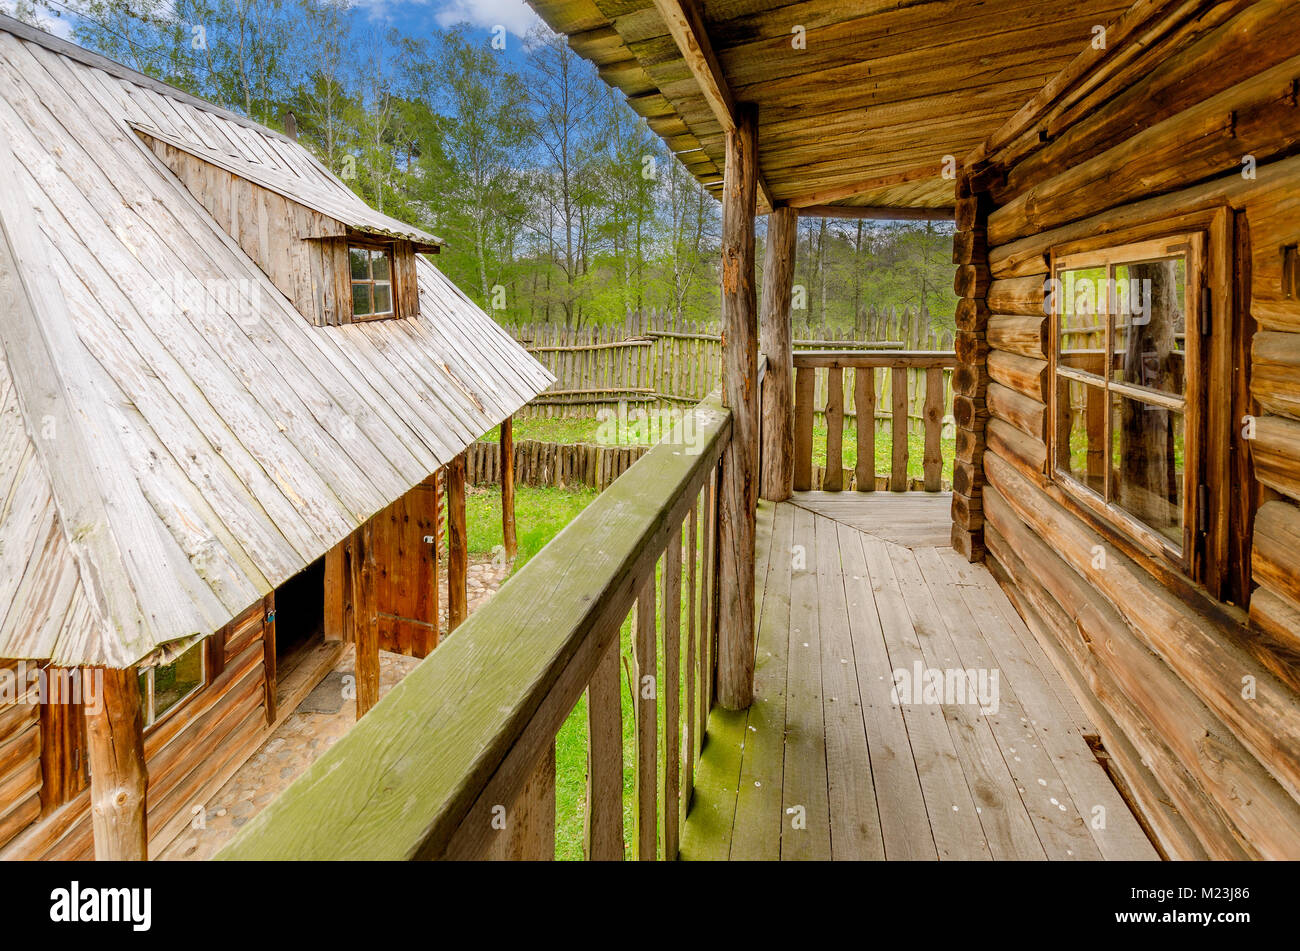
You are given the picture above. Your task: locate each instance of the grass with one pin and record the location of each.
(590, 430)
(540, 514)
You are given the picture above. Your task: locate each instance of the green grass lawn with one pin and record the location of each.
(540, 514)
(589, 430)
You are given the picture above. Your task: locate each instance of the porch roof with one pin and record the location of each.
(858, 103)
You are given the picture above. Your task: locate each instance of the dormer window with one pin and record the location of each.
(372, 282)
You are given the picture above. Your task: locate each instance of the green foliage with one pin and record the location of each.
(556, 200)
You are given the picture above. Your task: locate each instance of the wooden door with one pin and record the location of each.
(406, 572)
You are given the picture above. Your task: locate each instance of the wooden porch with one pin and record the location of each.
(850, 588)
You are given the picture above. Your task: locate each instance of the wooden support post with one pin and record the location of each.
(366, 620)
(118, 778)
(645, 701)
(508, 487)
(529, 833)
(738, 498)
(457, 546)
(775, 337)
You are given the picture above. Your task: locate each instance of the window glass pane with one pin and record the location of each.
(1081, 432)
(1081, 318)
(1151, 325)
(383, 298)
(380, 266)
(1147, 456)
(361, 300)
(360, 259)
(176, 680)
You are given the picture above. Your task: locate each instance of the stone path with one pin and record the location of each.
(301, 738)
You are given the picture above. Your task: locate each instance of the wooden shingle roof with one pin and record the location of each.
(175, 438)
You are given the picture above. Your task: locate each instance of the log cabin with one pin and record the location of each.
(230, 396)
(1120, 544)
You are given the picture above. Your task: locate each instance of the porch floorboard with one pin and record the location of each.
(825, 765)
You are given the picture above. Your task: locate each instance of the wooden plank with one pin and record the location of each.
(365, 612)
(756, 832)
(603, 826)
(805, 826)
(804, 382)
(933, 460)
(672, 640)
(949, 804)
(508, 487)
(834, 478)
(854, 814)
(864, 402)
(645, 686)
(898, 430)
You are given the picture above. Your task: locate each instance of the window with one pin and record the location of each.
(162, 688)
(372, 282)
(1126, 382)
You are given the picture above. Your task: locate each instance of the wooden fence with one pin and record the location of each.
(654, 360)
(545, 463)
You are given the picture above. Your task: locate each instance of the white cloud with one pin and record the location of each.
(59, 26)
(515, 15)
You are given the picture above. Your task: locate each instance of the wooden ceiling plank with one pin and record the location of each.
(682, 17)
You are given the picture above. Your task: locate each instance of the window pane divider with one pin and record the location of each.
(1155, 397)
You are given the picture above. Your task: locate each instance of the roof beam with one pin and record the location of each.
(877, 213)
(840, 192)
(684, 22)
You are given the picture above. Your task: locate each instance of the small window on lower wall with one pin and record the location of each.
(372, 282)
(1127, 386)
(162, 688)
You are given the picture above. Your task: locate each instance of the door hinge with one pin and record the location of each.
(1207, 311)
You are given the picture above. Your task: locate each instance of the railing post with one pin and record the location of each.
(457, 545)
(739, 490)
(775, 337)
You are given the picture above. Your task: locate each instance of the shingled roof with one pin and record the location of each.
(171, 451)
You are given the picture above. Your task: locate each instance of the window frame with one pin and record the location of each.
(1205, 238)
(387, 250)
(151, 719)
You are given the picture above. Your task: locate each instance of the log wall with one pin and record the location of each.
(189, 754)
(1193, 686)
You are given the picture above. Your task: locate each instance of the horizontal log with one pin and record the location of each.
(1023, 335)
(1275, 372)
(1206, 654)
(1276, 452)
(1025, 452)
(970, 442)
(1019, 296)
(967, 511)
(966, 212)
(1277, 618)
(1196, 759)
(971, 314)
(971, 280)
(1025, 375)
(970, 379)
(966, 411)
(967, 478)
(1027, 415)
(1169, 830)
(1281, 315)
(970, 346)
(969, 246)
(1205, 140)
(1275, 549)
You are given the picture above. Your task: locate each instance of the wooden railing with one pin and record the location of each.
(931, 367)
(458, 761)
